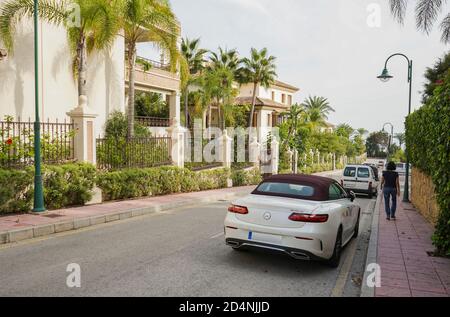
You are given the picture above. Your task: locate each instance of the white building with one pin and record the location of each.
(107, 79)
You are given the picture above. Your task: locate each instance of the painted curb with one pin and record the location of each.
(367, 291)
(19, 235)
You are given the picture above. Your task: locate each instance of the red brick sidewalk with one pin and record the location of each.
(406, 268)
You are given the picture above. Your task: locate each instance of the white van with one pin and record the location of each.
(360, 179)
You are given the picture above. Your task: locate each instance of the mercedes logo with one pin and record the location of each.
(267, 216)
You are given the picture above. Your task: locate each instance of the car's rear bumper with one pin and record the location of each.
(316, 241)
(298, 254)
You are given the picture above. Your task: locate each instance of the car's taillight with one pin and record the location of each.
(308, 218)
(238, 209)
(342, 183)
(370, 185)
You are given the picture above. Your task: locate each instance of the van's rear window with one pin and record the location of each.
(350, 172)
(286, 189)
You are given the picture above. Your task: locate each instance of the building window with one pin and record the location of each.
(269, 120)
(290, 100)
(273, 95)
(283, 98)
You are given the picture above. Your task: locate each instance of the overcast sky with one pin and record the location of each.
(324, 47)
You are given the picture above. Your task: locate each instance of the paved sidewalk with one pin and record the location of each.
(14, 228)
(407, 270)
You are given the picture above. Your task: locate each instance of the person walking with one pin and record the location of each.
(390, 184)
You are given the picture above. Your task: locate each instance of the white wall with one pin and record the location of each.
(58, 91)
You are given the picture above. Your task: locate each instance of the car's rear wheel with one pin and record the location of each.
(336, 258)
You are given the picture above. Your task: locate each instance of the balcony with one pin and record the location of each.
(152, 122)
(152, 75)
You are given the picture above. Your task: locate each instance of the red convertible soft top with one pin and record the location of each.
(320, 184)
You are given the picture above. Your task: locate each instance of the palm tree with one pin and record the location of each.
(427, 12)
(318, 110)
(154, 20)
(195, 59)
(218, 84)
(345, 130)
(98, 27)
(259, 69)
(294, 116)
(401, 138)
(225, 58)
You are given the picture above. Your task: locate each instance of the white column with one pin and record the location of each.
(290, 155)
(174, 105)
(275, 147)
(255, 151)
(84, 140)
(226, 149)
(177, 133)
(295, 161)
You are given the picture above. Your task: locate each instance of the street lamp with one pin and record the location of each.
(384, 77)
(391, 138)
(38, 205)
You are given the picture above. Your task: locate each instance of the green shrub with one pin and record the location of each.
(64, 186)
(428, 148)
(15, 190)
(246, 177)
(135, 183)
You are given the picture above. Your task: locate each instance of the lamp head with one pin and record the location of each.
(385, 76)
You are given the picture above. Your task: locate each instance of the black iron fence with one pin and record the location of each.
(120, 153)
(195, 158)
(17, 142)
(153, 122)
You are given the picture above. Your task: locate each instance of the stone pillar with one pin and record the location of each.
(290, 155)
(275, 147)
(174, 105)
(226, 150)
(84, 140)
(177, 133)
(254, 151)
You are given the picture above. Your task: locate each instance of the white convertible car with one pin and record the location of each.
(307, 217)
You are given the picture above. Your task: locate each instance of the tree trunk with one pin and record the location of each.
(252, 112)
(186, 106)
(82, 67)
(131, 91)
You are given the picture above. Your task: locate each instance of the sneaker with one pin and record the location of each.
(388, 219)
(394, 218)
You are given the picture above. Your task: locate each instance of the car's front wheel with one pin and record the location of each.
(336, 258)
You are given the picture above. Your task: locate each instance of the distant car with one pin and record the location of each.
(360, 179)
(306, 217)
(381, 164)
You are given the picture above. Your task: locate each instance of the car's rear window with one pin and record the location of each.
(350, 172)
(286, 189)
(363, 172)
(400, 165)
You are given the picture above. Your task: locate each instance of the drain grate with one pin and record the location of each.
(53, 216)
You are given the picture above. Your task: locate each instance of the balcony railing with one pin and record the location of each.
(146, 64)
(153, 122)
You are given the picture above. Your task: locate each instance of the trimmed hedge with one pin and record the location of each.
(428, 146)
(246, 177)
(135, 183)
(65, 185)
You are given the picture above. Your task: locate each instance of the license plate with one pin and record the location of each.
(264, 237)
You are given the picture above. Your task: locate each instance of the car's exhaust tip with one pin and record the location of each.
(233, 244)
(299, 256)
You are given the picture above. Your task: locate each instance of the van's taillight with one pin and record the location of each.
(238, 210)
(342, 182)
(370, 186)
(308, 218)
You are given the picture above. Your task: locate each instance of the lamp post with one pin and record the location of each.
(385, 77)
(391, 138)
(38, 205)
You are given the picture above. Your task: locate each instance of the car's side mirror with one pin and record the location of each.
(352, 196)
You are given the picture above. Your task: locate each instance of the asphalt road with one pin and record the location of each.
(175, 253)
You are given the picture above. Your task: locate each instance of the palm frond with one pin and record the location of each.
(426, 14)
(12, 11)
(445, 29)
(398, 9)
